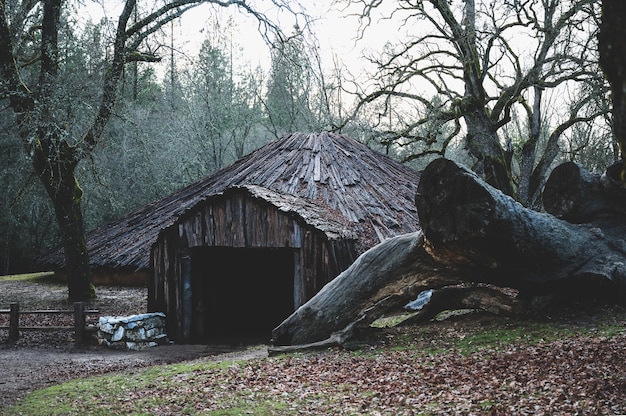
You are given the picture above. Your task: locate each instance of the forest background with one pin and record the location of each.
(406, 79)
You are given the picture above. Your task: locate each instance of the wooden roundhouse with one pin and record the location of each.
(233, 254)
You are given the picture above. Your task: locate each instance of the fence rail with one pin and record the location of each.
(80, 329)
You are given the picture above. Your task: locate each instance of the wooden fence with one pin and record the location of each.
(80, 329)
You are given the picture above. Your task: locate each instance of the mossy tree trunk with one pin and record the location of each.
(66, 196)
(55, 154)
(54, 159)
(490, 160)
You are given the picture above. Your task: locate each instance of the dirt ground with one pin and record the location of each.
(571, 374)
(40, 359)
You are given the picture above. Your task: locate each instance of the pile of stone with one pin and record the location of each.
(134, 332)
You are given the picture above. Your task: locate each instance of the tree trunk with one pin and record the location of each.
(383, 278)
(612, 48)
(66, 195)
(528, 188)
(490, 162)
(70, 218)
(501, 242)
(472, 234)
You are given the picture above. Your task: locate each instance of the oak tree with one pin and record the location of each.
(466, 66)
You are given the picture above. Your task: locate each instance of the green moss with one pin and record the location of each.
(34, 277)
(390, 321)
(77, 192)
(498, 338)
(92, 290)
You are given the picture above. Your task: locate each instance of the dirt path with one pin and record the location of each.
(38, 359)
(24, 370)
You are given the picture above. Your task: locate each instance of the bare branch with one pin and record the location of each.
(470, 53)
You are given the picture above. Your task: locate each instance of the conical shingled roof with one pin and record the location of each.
(354, 185)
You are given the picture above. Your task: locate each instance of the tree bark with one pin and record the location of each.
(70, 218)
(612, 48)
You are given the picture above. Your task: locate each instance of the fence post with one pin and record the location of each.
(79, 323)
(14, 322)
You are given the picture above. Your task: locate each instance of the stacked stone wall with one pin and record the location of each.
(133, 332)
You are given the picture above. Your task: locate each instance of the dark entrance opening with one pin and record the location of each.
(240, 294)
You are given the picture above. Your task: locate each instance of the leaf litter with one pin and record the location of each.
(574, 367)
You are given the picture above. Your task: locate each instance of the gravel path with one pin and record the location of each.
(41, 359)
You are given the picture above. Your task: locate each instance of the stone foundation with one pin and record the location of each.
(133, 332)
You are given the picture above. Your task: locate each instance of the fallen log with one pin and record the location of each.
(472, 233)
(467, 221)
(578, 196)
(383, 278)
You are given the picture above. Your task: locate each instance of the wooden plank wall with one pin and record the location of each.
(242, 221)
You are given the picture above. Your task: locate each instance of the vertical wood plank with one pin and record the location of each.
(187, 311)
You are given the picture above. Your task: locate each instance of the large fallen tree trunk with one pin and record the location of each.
(465, 220)
(382, 278)
(472, 233)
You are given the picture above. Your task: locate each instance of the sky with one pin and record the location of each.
(334, 31)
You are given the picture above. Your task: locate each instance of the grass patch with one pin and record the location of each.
(391, 321)
(465, 335)
(28, 277)
(208, 388)
(168, 386)
(500, 337)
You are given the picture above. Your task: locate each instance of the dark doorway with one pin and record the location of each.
(240, 294)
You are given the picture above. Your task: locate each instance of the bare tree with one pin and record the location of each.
(480, 59)
(472, 233)
(30, 32)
